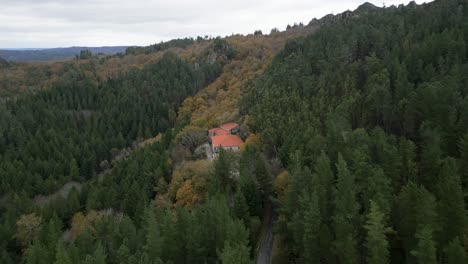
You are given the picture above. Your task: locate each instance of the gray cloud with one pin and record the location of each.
(54, 23)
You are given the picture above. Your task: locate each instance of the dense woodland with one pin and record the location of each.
(356, 131)
(373, 129)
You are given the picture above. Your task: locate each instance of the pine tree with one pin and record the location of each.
(430, 156)
(425, 251)
(312, 225)
(73, 202)
(263, 178)
(99, 255)
(376, 241)
(451, 207)
(235, 254)
(154, 240)
(51, 234)
(61, 255)
(73, 253)
(85, 242)
(74, 171)
(463, 149)
(346, 213)
(416, 207)
(37, 254)
(170, 235)
(379, 190)
(323, 185)
(241, 209)
(295, 184)
(455, 252)
(222, 169)
(123, 253)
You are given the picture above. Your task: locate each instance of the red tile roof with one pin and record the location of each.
(226, 141)
(218, 131)
(229, 126)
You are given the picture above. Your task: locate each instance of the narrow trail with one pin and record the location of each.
(265, 247)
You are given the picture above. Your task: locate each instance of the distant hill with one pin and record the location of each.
(55, 53)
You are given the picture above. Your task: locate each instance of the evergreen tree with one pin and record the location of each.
(451, 207)
(36, 254)
(463, 149)
(416, 207)
(376, 240)
(425, 251)
(235, 254)
(455, 252)
(323, 185)
(74, 171)
(346, 213)
(312, 225)
(123, 253)
(295, 184)
(61, 255)
(154, 240)
(99, 255)
(263, 178)
(222, 169)
(241, 209)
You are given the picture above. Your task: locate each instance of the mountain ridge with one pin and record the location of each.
(50, 54)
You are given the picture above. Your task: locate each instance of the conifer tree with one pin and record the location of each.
(74, 171)
(312, 225)
(451, 207)
(123, 253)
(455, 253)
(154, 240)
(222, 169)
(416, 207)
(345, 217)
(61, 255)
(295, 184)
(323, 185)
(425, 251)
(376, 240)
(99, 255)
(263, 178)
(235, 254)
(463, 149)
(241, 209)
(36, 254)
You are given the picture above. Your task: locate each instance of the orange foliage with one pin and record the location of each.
(196, 171)
(218, 102)
(81, 222)
(186, 195)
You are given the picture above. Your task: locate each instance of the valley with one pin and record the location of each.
(342, 140)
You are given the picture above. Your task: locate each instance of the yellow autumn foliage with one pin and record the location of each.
(196, 171)
(186, 195)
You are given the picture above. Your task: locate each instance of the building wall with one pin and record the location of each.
(235, 148)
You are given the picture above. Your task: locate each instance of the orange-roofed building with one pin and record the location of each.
(217, 132)
(228, 142)
(224, 137)
(230, 127)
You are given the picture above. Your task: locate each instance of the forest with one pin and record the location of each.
(356, 147)
(373, 131)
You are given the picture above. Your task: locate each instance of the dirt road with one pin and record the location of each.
(265, 249)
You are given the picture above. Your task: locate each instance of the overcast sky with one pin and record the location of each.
(64, 23)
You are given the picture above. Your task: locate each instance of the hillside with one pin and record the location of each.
(373, 132)
(355, 130)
